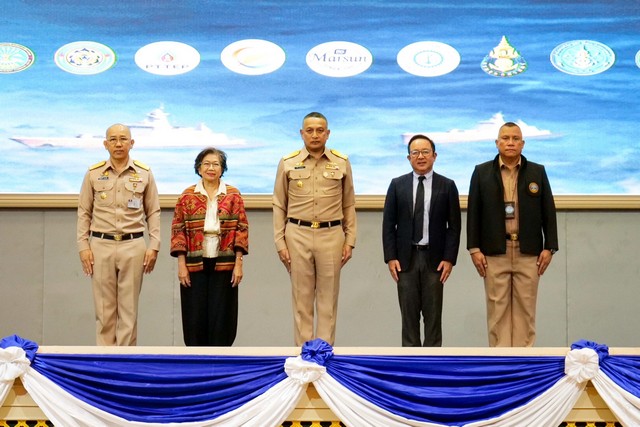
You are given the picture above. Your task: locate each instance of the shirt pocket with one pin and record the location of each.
(332, 182)
(300, 181)
(104, 193)
(135, 188)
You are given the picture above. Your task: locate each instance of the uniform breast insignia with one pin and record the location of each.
(97, 165)
(299, 184)
(339, 154)
(103, 195)
(104, 176)
(290, 155)
(299, 165)
(135, 178)
(332, 165)
(534, 187)
(141, 165)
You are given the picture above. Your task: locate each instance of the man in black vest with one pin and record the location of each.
(511, 236)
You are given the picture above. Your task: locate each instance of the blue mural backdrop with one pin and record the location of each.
(567, 71)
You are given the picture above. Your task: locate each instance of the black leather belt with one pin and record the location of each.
(512, 236)
(117, 237)
(421, 247)
(315, 224)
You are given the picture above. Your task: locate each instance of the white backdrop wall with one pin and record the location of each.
(590, 291)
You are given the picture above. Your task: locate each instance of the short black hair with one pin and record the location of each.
(204, 153)
(420, 136)
(316, 115)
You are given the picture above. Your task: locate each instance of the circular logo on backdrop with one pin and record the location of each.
(253, 57)
(339, 59)
(167, 58)
(15, 58)
(638, 59)
(582, 57)
(428, 59)
(85, 57)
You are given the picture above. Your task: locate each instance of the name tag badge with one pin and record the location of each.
(510, 210)
(134, 203)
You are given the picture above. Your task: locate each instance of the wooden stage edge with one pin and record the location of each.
(364, 202)
(590, 407)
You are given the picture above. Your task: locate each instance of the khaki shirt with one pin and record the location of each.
(118, 203)
(510, 186)
(312, 189)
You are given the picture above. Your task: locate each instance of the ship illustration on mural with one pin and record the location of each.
(485, 130)
(154, 131)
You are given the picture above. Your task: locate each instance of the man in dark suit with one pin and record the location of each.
(421, 236)
(511, 236)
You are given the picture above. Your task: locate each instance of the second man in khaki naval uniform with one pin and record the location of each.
(314, 222)
(118, 197)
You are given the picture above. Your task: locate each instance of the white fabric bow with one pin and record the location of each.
(581, 365)
(13, 363)
(303, 371)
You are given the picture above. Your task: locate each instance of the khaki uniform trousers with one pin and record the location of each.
(316, 258)
(117, 280)
(511, 288)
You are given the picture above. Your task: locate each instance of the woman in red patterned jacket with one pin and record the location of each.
(209, 236)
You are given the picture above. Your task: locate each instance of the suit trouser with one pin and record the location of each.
(117, 280)
(316, 261)
(511, 288)
(420, 291)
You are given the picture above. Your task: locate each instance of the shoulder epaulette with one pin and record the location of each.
(141, 165)
(290, 155)
(339, 154)
(97, 165)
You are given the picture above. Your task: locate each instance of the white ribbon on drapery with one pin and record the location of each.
(623, 404)
(13, 364)
(269, 409)
(272, 407)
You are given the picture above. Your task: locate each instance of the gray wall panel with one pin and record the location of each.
(589, 291)
(21, 273)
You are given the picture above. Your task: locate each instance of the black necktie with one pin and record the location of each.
(418, 211)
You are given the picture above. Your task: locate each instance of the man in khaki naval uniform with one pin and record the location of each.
(314, 222)
(118, 196)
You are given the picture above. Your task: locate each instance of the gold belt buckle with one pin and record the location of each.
(315, 224)
(513, 237)
(117, 237)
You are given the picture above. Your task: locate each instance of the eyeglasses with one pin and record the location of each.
(416, 153)
(207, 165)
(114, 141)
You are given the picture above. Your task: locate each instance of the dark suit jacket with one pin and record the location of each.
(444, 221)
(486, 229)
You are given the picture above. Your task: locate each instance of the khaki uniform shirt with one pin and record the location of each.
(312, 189)
(510, 185)
(118, 203)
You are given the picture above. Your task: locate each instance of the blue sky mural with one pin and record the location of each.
(379, 70)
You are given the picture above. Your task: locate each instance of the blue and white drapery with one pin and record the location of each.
(426, 391)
